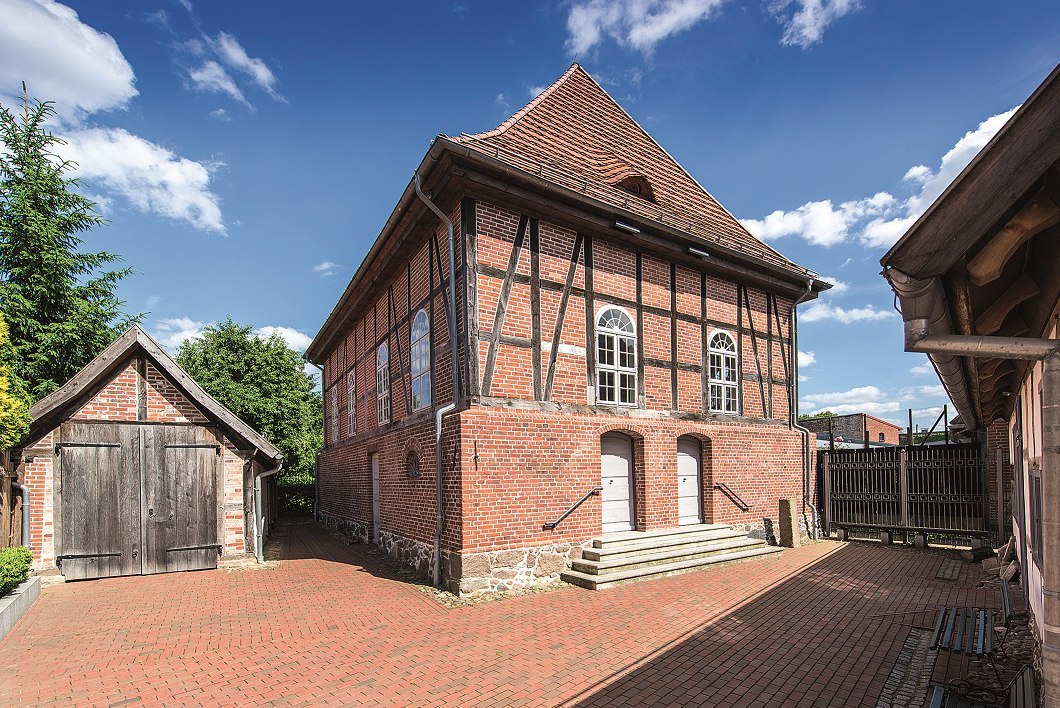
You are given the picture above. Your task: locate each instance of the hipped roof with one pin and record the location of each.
(51, 410)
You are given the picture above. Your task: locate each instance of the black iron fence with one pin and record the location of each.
(939, 490)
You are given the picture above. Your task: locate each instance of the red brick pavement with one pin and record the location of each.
(329, 627)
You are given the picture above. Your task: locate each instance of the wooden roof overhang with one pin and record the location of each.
(47, 413)
(451, 170)
(984, 259)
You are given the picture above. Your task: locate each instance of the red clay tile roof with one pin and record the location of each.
(574, 134)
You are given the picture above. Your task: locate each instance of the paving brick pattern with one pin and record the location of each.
(326, 626)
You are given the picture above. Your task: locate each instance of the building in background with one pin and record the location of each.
(854, 428)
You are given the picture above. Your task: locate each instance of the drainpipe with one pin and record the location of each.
(25, 512)
(316, 455)
(794, 417)
(918, 339)
(259, 514)
(454, 352)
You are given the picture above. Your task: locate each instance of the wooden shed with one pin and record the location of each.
(131, 468)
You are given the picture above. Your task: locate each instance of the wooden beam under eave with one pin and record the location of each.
(990, 384)
(1039, 214)
(1014, 326)
(991, 320)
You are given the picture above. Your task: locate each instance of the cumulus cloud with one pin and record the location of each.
(838, 286)
(861, 399)
(174, 331)
(211, 77)
(821, 311)
(922, 369)
(325, 268)
(640, 24)
(294, 339)
(807, 359)
(806, 20)
(880, 220)
(46, 45)
(152, 178)
(221, 115)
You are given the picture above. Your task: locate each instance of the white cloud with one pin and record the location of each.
(920, 391)
(807, 359)
(232, 53)
(211, 77)
(151, 177)
(174, 331)
(640, 24)
(818, 311)
(59, 57)
(535, 91)
(295, 340)
(877, 221)
(806, 25)
(922, 369)
(221, 115)
(325, 268)
(933, 411)
(861, 399)
(838, 286)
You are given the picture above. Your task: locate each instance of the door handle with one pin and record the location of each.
(135, 553)
(150, 511)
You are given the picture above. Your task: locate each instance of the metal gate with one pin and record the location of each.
(136, 499)
(935, 489)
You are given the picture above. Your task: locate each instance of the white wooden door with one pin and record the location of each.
(689, 477)
(375, 497)
(616, 465)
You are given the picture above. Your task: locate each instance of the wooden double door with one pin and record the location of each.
(137, 499)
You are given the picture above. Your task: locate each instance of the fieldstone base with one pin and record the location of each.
(513, 569)
(354, 530)
(417, 555)
(910, 679)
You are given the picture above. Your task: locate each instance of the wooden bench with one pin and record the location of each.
(1020, 693)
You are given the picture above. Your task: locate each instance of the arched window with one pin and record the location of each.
(351, 402)
(883, 438)
(616, 358)
(412, 464)
(421, 361)
(334, 413)
(724, 374)
(382, 385)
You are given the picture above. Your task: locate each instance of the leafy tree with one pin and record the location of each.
(14, 401)
(263, 381)
(822, 414)
(59, 302)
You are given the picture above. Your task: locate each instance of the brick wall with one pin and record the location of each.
(997, 444)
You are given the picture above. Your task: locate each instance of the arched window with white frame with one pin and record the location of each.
(382, 384)
(724, 374)
(616, 358)
(351, 402)
(420, 349)
(334, 414)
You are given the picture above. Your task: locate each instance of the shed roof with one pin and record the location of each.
(60, 404)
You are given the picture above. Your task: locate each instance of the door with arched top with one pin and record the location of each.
(689, 481)
(616, 472)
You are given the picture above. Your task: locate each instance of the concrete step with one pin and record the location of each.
(600, 582)
(664, 555)
(619, 537)
(638, 546)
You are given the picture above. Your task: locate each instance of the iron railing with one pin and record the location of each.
(733, 496)
(549, 525)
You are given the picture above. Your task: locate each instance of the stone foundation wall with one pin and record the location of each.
(417, 555)
(357, 532)
(514, 569)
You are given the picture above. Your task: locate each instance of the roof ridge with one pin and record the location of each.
(518, 115)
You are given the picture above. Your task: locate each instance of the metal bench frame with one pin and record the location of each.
(1019, 693)
(970, 630)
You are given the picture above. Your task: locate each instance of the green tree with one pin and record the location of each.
(822, 414)
(263, 381)
(59, 302)
(14, 401)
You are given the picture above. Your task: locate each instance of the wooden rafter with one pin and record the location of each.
(1039, 214)
(991, 319)
(535, 307)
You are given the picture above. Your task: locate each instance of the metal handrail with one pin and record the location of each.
(549, 525)
(733, 496)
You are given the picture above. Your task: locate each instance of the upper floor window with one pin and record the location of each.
(334, 414)
(723, 374)
(351, 402)
(616, 358)
(421, 361)
(382, 384)
(883, 438)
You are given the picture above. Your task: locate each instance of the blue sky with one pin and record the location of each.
(247, 154)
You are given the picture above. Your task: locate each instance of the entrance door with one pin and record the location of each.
(180, 498)
(99, 488)
(689, 482)
(616, 466)
(376, 516)
(136, 499)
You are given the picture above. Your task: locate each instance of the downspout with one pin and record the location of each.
(794, 417)
(919, 339)
(259, 514)
(316, 454)
(439, 413)
(25, 513)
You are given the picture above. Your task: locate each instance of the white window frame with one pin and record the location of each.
(723, 384)
(334, 414)
(382, 384)
(351, 402)
(420, 355)
(614, 371)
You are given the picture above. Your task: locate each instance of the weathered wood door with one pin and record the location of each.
(100, 500)
(616, 477)
(180, 498)
(137, 499)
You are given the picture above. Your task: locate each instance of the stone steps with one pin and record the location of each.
(617, 558)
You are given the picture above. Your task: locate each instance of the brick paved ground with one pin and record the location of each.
(328, 627)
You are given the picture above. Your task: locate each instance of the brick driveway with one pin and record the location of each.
(328, 626)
